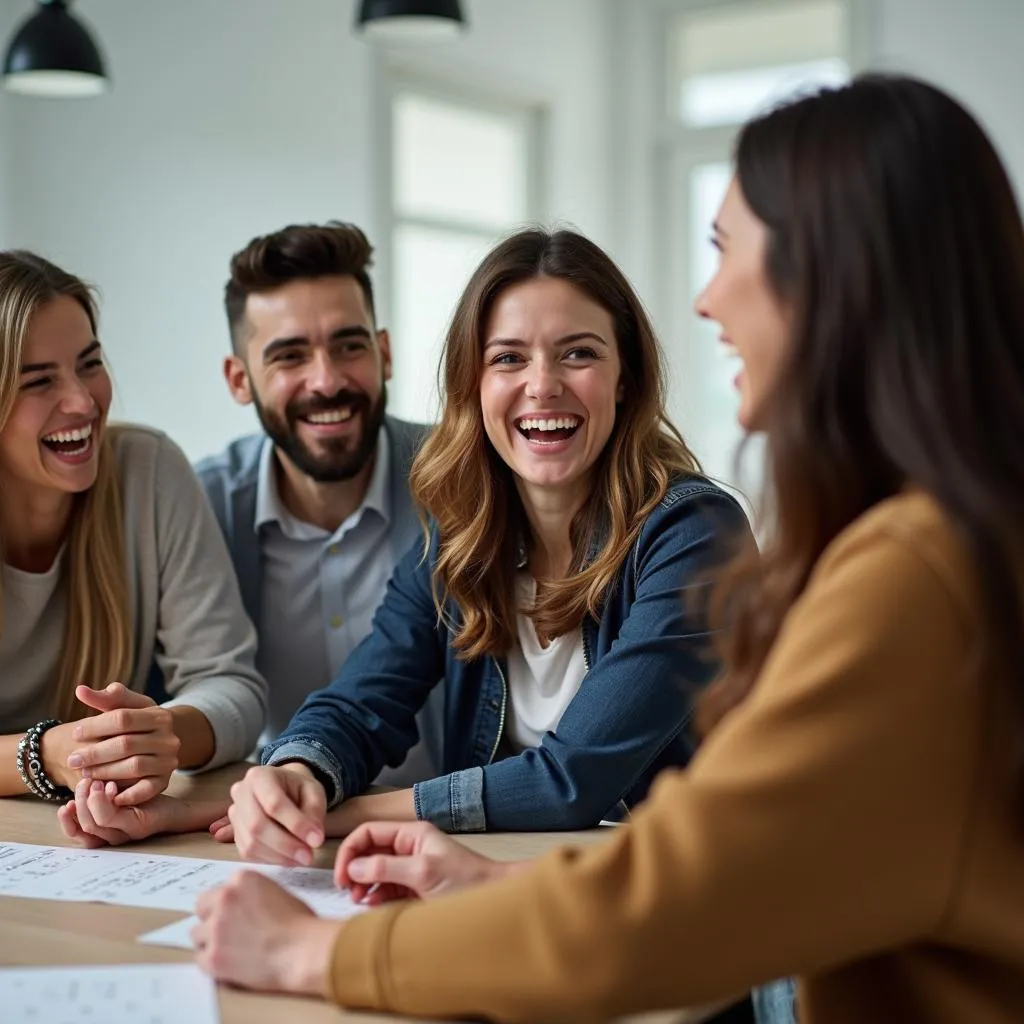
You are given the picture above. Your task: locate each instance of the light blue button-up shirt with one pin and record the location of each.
(320, 589)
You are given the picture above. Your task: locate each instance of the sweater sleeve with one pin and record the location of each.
(206, 645)
(820, 822)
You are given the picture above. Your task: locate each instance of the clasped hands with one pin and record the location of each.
(131, 742)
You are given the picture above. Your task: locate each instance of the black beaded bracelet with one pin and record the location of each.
(30, 765)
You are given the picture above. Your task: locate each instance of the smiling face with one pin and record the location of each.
(755, 324)
(51, 439)
(315, 369)
(550, 384)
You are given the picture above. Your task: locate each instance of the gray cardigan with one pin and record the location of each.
(187, 612)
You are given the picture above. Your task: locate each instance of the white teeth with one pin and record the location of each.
(561, 423)
(335, 416)
(67, 436)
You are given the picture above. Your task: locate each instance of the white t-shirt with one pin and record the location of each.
(541, 680)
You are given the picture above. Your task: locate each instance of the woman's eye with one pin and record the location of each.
(39, 382)
(505, 359)
(581, 353)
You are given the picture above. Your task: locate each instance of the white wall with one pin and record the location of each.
(235, 117)
(971, 47)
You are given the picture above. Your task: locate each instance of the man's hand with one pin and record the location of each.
(277, 814)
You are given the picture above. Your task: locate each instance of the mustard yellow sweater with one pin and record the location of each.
(855, 822)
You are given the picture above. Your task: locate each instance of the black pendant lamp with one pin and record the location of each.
(53, 54)
(410, 21)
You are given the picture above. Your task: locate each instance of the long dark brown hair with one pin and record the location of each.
(895, 239)
(460, 481)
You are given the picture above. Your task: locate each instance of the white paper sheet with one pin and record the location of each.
(177, 935)
(136, 994)
(148, 880)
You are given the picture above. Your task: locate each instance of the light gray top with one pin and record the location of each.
(187, 612)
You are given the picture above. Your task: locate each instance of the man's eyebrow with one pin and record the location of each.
(300, 340)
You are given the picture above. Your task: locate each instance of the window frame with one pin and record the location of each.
(396, 80)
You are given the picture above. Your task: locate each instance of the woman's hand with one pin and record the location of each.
(131, 742)
(277, 815)
(95, 819)
(254, 934)
(399, 860)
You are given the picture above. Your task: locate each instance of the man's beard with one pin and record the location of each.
(338, 458)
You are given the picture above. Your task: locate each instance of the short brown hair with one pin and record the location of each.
(295, 253)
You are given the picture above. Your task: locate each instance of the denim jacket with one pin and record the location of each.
(646, 656)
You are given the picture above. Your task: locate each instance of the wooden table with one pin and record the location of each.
(44, 932)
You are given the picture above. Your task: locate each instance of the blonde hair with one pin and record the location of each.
(460, 481)
(98, 631)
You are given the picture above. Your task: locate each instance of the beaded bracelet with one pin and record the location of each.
(30, 765)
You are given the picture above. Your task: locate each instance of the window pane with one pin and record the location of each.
(432, 268)
(734, 96)
(458, 163)
(733, 62)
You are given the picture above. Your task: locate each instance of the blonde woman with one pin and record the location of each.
(570, 539)
(110, 561)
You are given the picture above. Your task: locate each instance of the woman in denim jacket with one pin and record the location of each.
(564, 517)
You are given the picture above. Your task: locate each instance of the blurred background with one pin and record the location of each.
(224, 119)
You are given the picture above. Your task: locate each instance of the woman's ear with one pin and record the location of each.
(620, 392)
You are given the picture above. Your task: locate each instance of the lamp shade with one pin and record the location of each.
(53, 54)
(410, 21)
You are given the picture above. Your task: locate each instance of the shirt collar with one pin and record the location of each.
(271, 509)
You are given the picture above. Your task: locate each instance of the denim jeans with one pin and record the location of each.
(775, 1003)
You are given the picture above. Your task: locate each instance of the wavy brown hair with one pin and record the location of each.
(461, 483)
(895, 238)
(98, 630)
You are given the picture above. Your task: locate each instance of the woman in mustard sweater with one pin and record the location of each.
(856, 814)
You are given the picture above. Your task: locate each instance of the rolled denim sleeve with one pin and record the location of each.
(454, 803)
(312, 752)
(633, 703)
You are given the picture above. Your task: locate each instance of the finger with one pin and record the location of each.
(141, 791)
(383, 869)
(371, 837)
(115, 695)
(153, 743)
(224, 834)
(277, 806)
(124, 720)
(261, 850)
(220, 823)
(69, 823)
(101, 806)
(379, 894)
(85, 819)
(133, 768)
(206, 902)
(313, 804)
